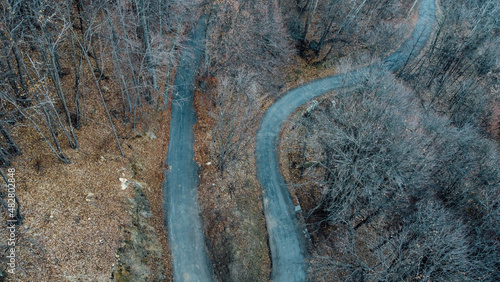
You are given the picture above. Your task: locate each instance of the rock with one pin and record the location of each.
(139, 257)
(89, 197)
(151, 135)
(124, 182)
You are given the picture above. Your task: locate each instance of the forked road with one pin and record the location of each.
(180, 193)
(285, 238)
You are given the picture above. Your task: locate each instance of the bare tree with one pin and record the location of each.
(44, 41)
(406, 194)
(368, 148)
(250, 36)
(452, 76)
(429, 245)
(235, 114)
(321, 27)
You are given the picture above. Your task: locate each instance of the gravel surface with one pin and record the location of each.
(180, 192)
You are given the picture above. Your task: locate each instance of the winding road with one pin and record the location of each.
(285, 238)
(180, 193)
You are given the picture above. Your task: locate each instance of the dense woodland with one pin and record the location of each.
(401, 174)
(398, 177)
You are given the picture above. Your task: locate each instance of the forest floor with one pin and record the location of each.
(100, 216)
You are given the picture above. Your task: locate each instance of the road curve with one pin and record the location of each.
(180, 194)
(285, 238)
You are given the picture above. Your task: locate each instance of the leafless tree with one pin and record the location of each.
(430, 244)
(248, 35)
(452, 77)
(368, 148)
(44, 41)
(322, 26)
(235, 114)
(409, 194)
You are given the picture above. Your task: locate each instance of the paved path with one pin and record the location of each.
(180, 191)
(285, 238)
